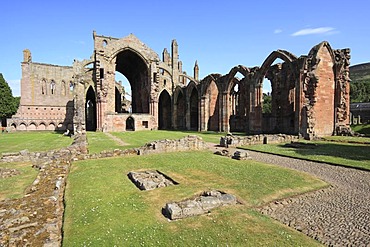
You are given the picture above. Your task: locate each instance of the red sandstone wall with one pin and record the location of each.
(324, 106)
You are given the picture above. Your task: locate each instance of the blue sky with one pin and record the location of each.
(219, 34)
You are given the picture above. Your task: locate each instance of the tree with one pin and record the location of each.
(267, 105)
(7, 102)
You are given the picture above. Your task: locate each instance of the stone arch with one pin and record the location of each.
(164, 110)
(51, 126)
(22, 126)
(211, 96)
(90, 109)
(130, 123)
(135, 68)
(282, 54)
(31, 126)
(179, 109)
(283, 78)
(231, 75)
(41, 126)
(193, 99)
(13, 126)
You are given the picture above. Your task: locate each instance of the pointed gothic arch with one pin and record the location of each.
(90, 110)
(164, 110)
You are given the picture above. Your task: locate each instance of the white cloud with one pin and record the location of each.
(276, 31)
(319, 30)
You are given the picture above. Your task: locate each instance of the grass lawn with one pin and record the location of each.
(355, 155)
(33, 141)
(104, 208)
(348, 139)
(139, 138)
(13, 187)
(362, 128)
(98, 141)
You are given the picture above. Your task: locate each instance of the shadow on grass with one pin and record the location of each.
(345, 151)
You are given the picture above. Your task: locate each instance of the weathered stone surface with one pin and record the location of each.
(336, 216)
(7, 172)
(150, 180)
(240, 155)
(310, 96)
(199, 205)
(234, 140)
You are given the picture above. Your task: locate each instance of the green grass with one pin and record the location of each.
(14, 187)
(348, 139)
(139, 138)
(98, 141)
(362, 129)
(354, 155)
(33, 141)
(104, 208)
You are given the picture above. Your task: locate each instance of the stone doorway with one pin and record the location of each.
(90, 110)
(164, 111)
(130, 124)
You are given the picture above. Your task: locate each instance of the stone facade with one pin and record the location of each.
(310, 94)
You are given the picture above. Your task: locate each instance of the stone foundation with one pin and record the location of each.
(235, 141)
(150, 180)
(200, 205)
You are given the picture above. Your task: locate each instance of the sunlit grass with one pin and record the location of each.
(32, 141)
(14, 187)
(98, 141)
(347, 154)
(362, 129)
(104, 208)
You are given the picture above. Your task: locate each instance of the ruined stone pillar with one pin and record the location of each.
(204, 114)
(225, 113)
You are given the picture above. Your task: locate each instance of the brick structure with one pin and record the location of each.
(310, 94)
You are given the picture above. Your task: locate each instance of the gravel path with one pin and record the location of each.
(336, 216)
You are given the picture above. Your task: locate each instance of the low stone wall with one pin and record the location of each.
(235, 141)
(37, 218)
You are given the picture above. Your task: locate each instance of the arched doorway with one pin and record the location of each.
(130, 124)
(135, 69)
(194, 110)
(276, 110)
(90, 110)
(180, 111)
(164, 110)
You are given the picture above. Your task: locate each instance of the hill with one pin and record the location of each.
(360, 84)
(360, 72)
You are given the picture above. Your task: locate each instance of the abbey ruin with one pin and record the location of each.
(310, 93)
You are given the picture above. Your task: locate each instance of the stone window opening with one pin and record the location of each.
(71, 86)
(234, 98)
(52, 87)
(43, 87)
(105, 43)
(64, 89)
